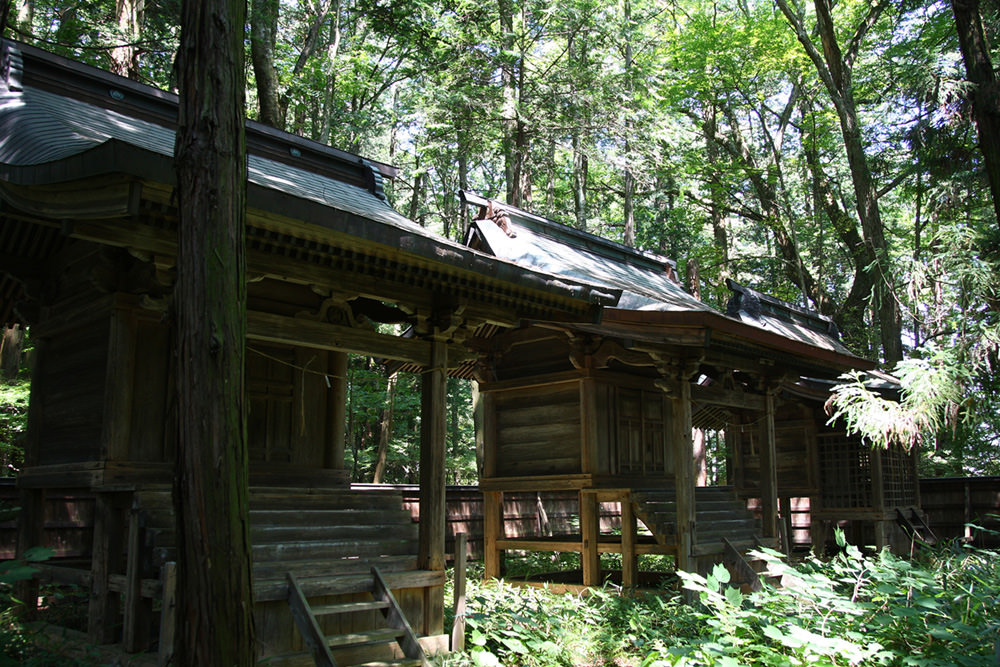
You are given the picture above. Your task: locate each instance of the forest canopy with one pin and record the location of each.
(839, 155)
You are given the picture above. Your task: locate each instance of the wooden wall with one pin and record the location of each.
(537, 430)
(952, 502)
(796, 455)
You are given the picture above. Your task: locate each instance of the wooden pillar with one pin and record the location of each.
(334, 458)
(630, 563)
(788, 528)
(493, 530)
(589, 452)
(137, 622)
(433, 513)
(590, 557)
(680, 400)
(458, 626)
(768, 470)
(882, 532)
(118, 386)
(106, 559)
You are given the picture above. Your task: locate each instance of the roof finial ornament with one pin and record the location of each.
(495, 212)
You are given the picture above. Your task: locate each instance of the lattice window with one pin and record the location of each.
(845, 468)
(898, 479)
(641, 432)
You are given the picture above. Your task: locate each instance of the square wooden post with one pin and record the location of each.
(493, 530)
(768, 470)
(337, 396)
(433, 512)
(630, 562)
(590, 557)
(106, 559)
(681, 437)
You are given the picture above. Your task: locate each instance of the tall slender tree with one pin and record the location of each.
(211, 494)
(835, 67)
(986, 96)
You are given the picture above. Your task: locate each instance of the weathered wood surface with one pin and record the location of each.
(951, 503)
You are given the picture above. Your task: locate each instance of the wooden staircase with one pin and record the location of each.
(719, 515)
(321, 547)
(395, 633)
(914, 524)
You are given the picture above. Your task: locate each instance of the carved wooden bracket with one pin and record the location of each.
(674, 369)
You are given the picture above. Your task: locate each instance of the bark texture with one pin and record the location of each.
(215, 597)
(986, 96)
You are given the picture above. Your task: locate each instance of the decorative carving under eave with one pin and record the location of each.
(674, 369)
(336, 309)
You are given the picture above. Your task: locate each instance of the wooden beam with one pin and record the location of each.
(589, 454)
(630, 564)
(680, 401)
(337, 403)
(493, 533)
(768, 470)
(715, 395)
(590, 526)
(458, 625)
(118, 388)
(284, 330)
(433, 435)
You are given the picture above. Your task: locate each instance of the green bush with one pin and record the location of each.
(937, 609)
(13, 421)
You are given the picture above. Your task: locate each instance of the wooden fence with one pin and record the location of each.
(950, 504)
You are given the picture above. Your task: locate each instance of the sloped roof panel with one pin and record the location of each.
(547, 246)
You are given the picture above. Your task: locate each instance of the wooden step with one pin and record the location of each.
(366, 638)
(270, 534)
(348, 607)
(396, 630)
(327, 516)
(277, 569)
(316, 549)
(323, 584)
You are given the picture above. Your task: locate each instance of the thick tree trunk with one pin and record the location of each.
(215, 596)
(125, 56)
(580, 166)
(628, 203)
(986, 95)
(834, 69)
(11, 344)
(719, 228)
(263, 34)
(385, 431)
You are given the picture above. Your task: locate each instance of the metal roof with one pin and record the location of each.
(62, 121)
(652, 299)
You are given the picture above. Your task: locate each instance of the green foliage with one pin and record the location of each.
(14, 397)
(15, 644)
(938, 609)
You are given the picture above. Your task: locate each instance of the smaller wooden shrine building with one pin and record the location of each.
(88, 222)
(616, 409)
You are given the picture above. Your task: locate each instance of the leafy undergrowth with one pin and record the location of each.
(13, 420)
(938, 609)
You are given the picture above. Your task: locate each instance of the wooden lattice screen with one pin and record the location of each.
(898, 478)
(845, 469)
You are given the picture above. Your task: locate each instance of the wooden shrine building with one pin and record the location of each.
(87, 258)
(615, 410)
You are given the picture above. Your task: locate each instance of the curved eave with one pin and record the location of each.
(653, 325)
(548, 295)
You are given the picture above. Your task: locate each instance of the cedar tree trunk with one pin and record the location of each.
(986, 95)
(211, 495)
